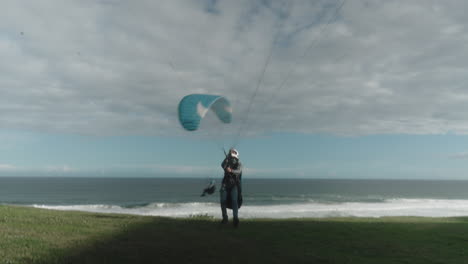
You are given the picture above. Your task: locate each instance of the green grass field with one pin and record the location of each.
(29, 235)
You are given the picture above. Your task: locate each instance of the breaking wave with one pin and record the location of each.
(388, 207)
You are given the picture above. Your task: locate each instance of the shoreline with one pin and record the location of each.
(442, 208)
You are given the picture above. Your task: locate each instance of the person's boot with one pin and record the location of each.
(224, 221)
(236, 222)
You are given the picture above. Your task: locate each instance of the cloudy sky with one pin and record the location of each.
(323, 89)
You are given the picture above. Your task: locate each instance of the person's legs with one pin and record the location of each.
(235, 207)
(223, 199)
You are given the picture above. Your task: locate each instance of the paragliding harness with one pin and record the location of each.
(210, 189)
(231, 179)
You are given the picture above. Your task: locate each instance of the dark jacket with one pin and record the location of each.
(235, 176)
(231, 179)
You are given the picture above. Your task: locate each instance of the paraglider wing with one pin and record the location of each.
(193, 107)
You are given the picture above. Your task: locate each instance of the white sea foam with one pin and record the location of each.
(391, 207)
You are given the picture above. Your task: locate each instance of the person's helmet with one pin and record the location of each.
(234, 153)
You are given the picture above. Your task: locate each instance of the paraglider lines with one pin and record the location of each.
(259, 83)
(307, 50)
(313, 43)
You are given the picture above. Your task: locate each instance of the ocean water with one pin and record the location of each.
(263, 198)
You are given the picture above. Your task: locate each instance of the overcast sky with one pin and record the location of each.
(112, 73)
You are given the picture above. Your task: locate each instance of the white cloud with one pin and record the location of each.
(120, 67)
(161, 168)
(183, 169)
(208, 171)
(34, 171)
(60, 169)
(461, 155)
(7, 167)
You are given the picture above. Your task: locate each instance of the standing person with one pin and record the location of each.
(231, 192)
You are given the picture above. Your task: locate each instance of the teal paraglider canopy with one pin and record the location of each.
(193, 107)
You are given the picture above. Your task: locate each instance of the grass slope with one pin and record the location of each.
(30, 235)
